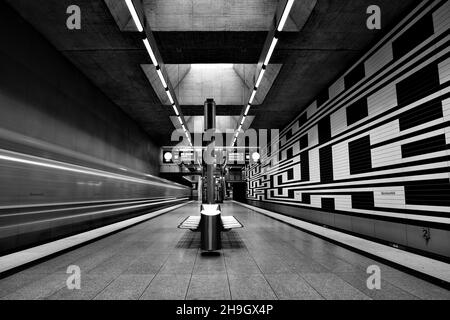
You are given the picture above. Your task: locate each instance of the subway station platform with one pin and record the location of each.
(267, 259)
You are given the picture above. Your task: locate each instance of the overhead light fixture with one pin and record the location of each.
(252, 96)
(150, 52)
(285, 15)
(240, 127)
(161, 77)
(168, 156)
(255, 156)
(179, 120)
(243, 120)
(170, 96)
(261, 74)
(246, 110)
(184, 128)
(175, 109)
(271, 48)
(134, 15)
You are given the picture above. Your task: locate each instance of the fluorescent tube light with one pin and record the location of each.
(179, 120)
(252, 96)
(134, 15)
(285, 15)
(243, 120)
(170, 97)
(175, 109)
(246, 110)
(261, 74)
(271, 48)
(161, 77)
(150, 52)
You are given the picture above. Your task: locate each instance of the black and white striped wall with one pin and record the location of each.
(370, 155)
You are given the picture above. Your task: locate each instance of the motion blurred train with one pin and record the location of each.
(43, 199)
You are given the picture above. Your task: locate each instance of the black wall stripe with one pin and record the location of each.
(327, 203)
(354, 76)
(289, 153)
(424, 113)
(322, 98)
(304, 166)
(357, 111)
(363, 200)
(302, 120)
(424, 146)
(290, 174)
(434, 193)
(326, 164)
(412, 37)
(304, 141)
(306, 198)
(359, 155)
(418, 85)
(324, 128)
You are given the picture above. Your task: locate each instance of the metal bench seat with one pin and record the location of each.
(193, 223)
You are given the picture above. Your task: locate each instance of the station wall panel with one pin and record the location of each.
(374, 146)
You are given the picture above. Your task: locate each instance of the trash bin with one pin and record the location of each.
(210, 227)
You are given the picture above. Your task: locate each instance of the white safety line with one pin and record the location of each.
(430, 267)
(20, 258)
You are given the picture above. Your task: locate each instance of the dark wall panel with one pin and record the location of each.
(359, 155)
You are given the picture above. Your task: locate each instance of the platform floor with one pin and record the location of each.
(266, 259)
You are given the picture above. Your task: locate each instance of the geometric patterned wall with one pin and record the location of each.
(375, 143)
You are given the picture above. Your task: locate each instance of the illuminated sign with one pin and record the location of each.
(236, 157)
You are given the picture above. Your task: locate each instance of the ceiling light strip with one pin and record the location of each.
(271, 49)
(175, 109)
(150, 52)
(152, 55)
(274, 42)
(134, 15)
(285, 15)
(161, 77)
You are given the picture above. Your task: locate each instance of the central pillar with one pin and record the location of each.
(210, 221)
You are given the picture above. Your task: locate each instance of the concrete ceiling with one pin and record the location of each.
(202, 15)
(333, 36)
(229, 84)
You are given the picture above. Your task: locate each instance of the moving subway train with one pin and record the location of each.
(42, 199)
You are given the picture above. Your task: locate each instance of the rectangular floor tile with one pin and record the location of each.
(40, 289)
(167, 287)
(331, 287)
(208, 287)
(90, 286)
(251, 287)
(290, 286)
(125, 287)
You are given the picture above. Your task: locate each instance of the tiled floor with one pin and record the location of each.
(266, 259)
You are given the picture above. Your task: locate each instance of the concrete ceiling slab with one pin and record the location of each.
(218, 81)
(212, 15)
(202, 15)
(228, 84)
(331, 38)
(210, 47)
(195, 124)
